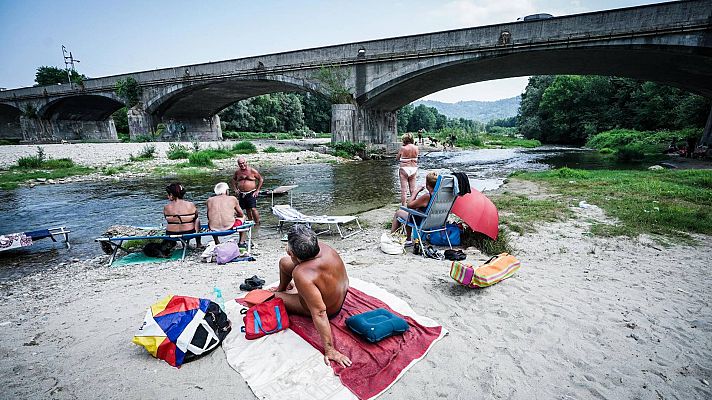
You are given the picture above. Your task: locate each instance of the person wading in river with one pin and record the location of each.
(247, 183)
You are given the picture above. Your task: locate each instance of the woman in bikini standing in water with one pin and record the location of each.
(181, 215)
(408, 168)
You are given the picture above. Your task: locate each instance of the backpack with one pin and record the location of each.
(265, 318)
(440, 238)
(496, 269)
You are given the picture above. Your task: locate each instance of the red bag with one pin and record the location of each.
(265, 318)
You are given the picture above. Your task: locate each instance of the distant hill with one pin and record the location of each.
(483, 111)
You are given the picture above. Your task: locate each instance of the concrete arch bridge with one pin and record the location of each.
(669, 43)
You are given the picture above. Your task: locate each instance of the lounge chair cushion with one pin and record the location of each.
(377, 325)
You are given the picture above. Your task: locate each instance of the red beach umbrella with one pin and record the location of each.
(478, 212)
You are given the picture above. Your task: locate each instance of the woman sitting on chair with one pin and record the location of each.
(416, 203)
(181, 215)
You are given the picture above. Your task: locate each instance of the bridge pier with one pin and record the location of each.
(142, 124)
(355, 124)
(201, 129)
(53, 130)
(707, 133)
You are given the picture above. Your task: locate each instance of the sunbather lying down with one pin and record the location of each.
(320, 281)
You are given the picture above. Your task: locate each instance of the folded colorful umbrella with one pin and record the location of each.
(178, 329)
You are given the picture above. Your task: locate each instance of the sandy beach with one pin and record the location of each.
(585, 317)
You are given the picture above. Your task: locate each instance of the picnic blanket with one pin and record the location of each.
(290, 363)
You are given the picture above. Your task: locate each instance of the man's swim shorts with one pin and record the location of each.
(247, 200)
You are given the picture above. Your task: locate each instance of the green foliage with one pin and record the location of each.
(572, 109)
(349, 149)
(668, 202)
(58, 163)
(509, 141)
(485, 244)
(32, 162)
(129, 91)
(147, 153)
(108, 171)
(9, 142)
(30, 111)
(334, 80)
(52, 75)
(121, 120)
(659, 140)
(176, 151)
(270, 149)
(521, 214)
(244, 148)
(200, 159)
(12, 178)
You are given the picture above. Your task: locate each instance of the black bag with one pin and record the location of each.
(455, 255)
(220, 324)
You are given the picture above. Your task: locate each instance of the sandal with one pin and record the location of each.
(255, 280)
(431, 252)
(249, 286)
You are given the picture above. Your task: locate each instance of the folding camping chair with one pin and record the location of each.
(435, 216)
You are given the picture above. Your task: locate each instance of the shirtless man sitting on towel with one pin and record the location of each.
(321, 284)
(224, 211)
(247, 183)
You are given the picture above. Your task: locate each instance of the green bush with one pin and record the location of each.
(631, 152)
(217, 154)
(244, 148)
(58, 163)
(569, 173)
(147, 153)
(176, 151)
(606, 150)
(349, 149)
(649, 142)
(200, 159)
(29, 162)
(271, 149)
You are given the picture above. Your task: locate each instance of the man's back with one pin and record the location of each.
(221, 212)
(328, 273)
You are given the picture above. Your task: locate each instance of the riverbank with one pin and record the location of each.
(586, 316)
(112, 161)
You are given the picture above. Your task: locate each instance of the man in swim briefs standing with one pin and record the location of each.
(247, 183)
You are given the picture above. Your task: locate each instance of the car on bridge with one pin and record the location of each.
(536, 17)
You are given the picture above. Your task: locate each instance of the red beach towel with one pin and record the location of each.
(375, 365)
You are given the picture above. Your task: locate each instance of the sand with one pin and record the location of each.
(585, 317)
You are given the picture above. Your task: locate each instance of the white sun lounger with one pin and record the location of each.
(286, 213)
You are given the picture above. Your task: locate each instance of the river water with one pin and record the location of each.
(89, 208)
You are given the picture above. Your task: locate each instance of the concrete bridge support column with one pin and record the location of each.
(141, 123)
(707, 133)
(44, 130)
(202, 129)
(363, 125)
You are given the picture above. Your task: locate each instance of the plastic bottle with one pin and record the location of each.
(219, 298)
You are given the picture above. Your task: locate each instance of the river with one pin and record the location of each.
(89, 208)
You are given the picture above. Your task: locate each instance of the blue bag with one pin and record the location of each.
(377, 324)
(439, 238)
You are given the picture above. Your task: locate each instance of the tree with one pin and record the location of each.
(52, 75)
(403, 116)
(129, 91)
(423, 118)
(317, 111)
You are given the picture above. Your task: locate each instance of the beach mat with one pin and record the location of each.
(140, 258)
(288, 363)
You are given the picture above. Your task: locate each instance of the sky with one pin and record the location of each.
(115, 37)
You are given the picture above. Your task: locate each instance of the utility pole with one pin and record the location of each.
(68, 60)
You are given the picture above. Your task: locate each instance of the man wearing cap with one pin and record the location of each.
(224, 211)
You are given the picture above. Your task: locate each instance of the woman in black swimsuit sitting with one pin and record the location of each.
(181, 215)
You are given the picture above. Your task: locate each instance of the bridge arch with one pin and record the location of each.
(10, 122)
(207, 99)
(80, 108)
(414, 80)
